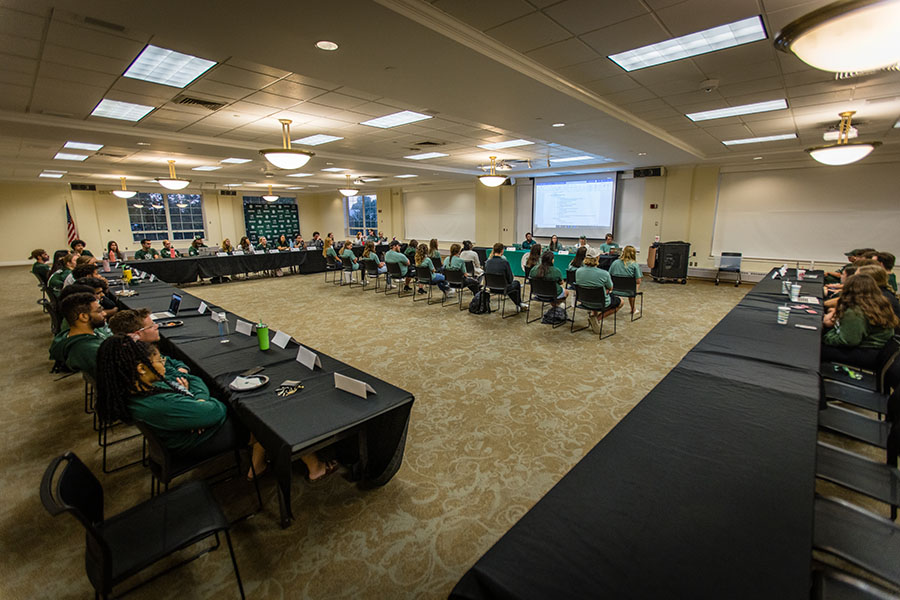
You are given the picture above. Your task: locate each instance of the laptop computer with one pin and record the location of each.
(174, 305)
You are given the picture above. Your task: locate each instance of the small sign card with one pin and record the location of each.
(308, 358)
(152, 277)
(276, 251)
(202, 308)
(281, 339)
(221, 254)
(238, 253)
(354, 386)
(564, 252)
(259, 252)
(312, 247)
(295, 249)
(244, 327)
(216, 316)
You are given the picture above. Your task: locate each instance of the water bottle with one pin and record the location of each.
(262, 335)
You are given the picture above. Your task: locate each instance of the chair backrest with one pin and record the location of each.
(423, 274)
(436, 261)
(495, 282)
(886, 357)
(624, 284)
(543, 288)
(470, 267)
(331, 262)
(394, 269)
(595, 296)
(730, 260)
(160, 456)
(75, 490)
(42, 281)
(371, 266)
(348, 264)
(570, 278)
(454, 276)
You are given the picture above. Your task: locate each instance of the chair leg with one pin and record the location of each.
(237, 573)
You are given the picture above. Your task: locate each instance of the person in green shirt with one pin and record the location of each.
(168, 251)
(456, 263)
(328, 250)
(41, 268)
(146, 251)
(370, 254)
(578, 261)
(194, 248)
(887, 261)
(393, 255)
(62, 269)
(77, 347)
(434, 254)
(529, 242)
(423, 261)
(371, 237)
(532, 259)
(859, 326)
(282, 243)
(410, 250)
(554, 245)
(627, 266)
(589, 275)
(139, 326)
(609, 246)
(548, 272)
(78, 247)
(348, 253)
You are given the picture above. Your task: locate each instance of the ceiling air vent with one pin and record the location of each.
(227, 193)
(83, 187)
(104, 24)
(428, 144)
(111, 154)
(207, 104)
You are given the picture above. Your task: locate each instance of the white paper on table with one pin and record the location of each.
(808, 299)
(354, 386)
(202, 308)
(221, 254)
(510, 249)
(153, 278)
(244, 327)
(308, 358)
(281, 339)
(259, 252)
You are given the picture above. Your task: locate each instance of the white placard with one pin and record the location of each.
(510, 249)
(259, 252)
(281, 339)
(217, 317)
(563, 252)
(308, 358)
(354, 386)
(221, 254)
(274, 251)
(237, 253)
(244, 327)
(312, 248)
(295, 249)
(202, 308)
(152, 277)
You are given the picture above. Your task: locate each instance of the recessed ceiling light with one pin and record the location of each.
(315, 140)
(66, 156)
(506, 144)
(161, 65)
(425, 155)
(407, 176)
(571, 159)
(52, 174)
(232, 185)
(83, 146)
(143, 143)
(757, 158)
(558, 125)
(399, 118)
(206, 168)
(326, 45)
(701, 42)
(768, 138)
(334, 170)
(300, 175)
(734, 111)
(235, 161)
(897, 125)
(125, 111)
(294, 187)
(642, 154)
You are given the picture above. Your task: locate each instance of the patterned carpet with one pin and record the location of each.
(503, 410)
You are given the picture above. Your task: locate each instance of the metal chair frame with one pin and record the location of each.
(495, 283)
(627, 284)
(592, 295)
(730, 268)
(544, 291)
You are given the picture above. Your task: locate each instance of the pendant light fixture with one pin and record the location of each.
(124, 192)
(846, 36)
(843, 152)
(286, 157)
(172, 182)
(492, 179)
(270, 197)
(349, 190)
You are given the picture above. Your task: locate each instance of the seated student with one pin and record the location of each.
(532, 259)
(578, 261)
(82, 269)
(317, 241)
(330, 236)
(434, 254)
(456, 263)
(582, 243)
(138, 325)
(393, 255)
(382, 238)
(529, 242)
(146, 251)
(410, 250)
(545, 270)
(627, 266)
(41, 268)
(554, 245)
(347, 252)
(169, 251)
(263, 244)
(78, 247)
(100, 288)
(371, 237)
(589, 275)
(423, 261)
(282, 243)
(328, 250)
(77, 347)
(849, 269)
(359, 239)
(887, 261)
(61, 270)
(298, 242)
(113, 254)
(860, 325)
(79, 288)
(226, 246)
(852, 257)
(468, 254)
(497, 264)
(609, 246)
(194, 248)
(244, 245)
(370, 254)
(877, 273)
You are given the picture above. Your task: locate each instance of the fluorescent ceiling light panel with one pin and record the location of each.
(125, 111)
(403, 117)
(65, 156)
(315, 140)
(506, 144)
(232, 185)
(425, 156)
(407, 176)
(235, 161)
(330, 170)
(768, 138)
(571, 159)
(206, 168)
(300, 175)
(83, 146)
(160, 65)
(693, 44)
(52, 174)
(294, 187)
(734, 111)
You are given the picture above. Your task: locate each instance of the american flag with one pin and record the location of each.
(70, 226)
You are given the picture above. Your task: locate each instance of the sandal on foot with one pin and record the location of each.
(330, 467)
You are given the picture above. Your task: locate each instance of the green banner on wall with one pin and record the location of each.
(271, 220)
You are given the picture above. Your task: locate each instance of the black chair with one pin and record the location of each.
(881, 434)
(626, 287)
(852, 471)
(730, 262)
(103, 429)
(470, 267)
(370, 265)
(125, 544)
(831, 584)
(397, 278)
(334, 268)
(423, 277)
(544, 291)
(42, 285)
(348, 268)
(570, 279)
(594, 296)
(438, 265)
(457, 281)
(873, 380)
(495, 283)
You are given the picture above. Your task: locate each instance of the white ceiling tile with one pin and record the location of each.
(92, 41)
(682, 70)
(356, 93)
(69, 73)
(338, 100)
(274, 101)
(697, 15)
(252, 66)
(673, 123)
(529, 32)
(628, 96)
(612, 85)
(16, 78)
(86, 60)
(658, 4)
(562, 54)
(225, 73)
(65, 97)
(626, 35)
(296, 91)
(312, 82)
(581, 16)
(821, 99)
(166, 114)
(19, 46)
(772, 126)
(14, 97)
(18, 64)
(484, 15)
(756, 85)
(591, 70)
(811, 89)
(22, 24)
(249, 107)
(674, 87)
(224, 90)
(747, 72)
(682, 101)
(729, 132)
(146, 89)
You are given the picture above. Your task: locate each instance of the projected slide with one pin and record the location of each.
(574, 207)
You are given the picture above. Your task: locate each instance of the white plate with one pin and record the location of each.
(238, 387)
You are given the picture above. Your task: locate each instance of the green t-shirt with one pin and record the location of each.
(79, 352)
(594, 277)
(605, 248)
(853, 330)
(410, 251)
(892, 282)
(455, 263)
(331, 252)
(86, 252)
(348, 253)
(426, 263)
(168, 253)
(40, 269)
(144, 254)
(193, 251)
(392, 256)
(553, 274)
(56, 281)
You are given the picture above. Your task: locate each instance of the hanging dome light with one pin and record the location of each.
(286, 157)
(349, 190)
(270, 197)
(843, 152)
(172, 182)
(846, 36)
(492, 179)
(124, 192)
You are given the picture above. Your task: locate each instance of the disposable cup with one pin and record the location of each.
(783, 313)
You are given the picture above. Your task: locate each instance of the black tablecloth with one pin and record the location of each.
(704, 490)
(188, 269)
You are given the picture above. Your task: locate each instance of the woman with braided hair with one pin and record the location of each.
(132, 385)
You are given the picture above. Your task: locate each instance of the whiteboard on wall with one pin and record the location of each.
(448, 215)
(808, 214)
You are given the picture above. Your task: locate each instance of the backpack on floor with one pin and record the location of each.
(554, 316)
(480, 304)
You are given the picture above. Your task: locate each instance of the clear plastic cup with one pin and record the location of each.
(783, 313)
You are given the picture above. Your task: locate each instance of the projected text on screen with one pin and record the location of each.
(575, 207)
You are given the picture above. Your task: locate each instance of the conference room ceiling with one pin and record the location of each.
(485, 71)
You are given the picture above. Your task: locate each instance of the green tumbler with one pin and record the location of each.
(262, 335)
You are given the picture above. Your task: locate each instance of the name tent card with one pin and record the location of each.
(354, 386)
(238, 253)
(217, 317)
(202, 308)
(308, 358)
(295, 249)
(221, 254)
(312, 247)
(281, 339)
(153, 278)
(244, 327)
(274, 251)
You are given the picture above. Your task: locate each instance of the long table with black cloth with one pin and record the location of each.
(704, 490)
(368, 434)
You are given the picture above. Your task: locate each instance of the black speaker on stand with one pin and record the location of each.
(671, 262)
